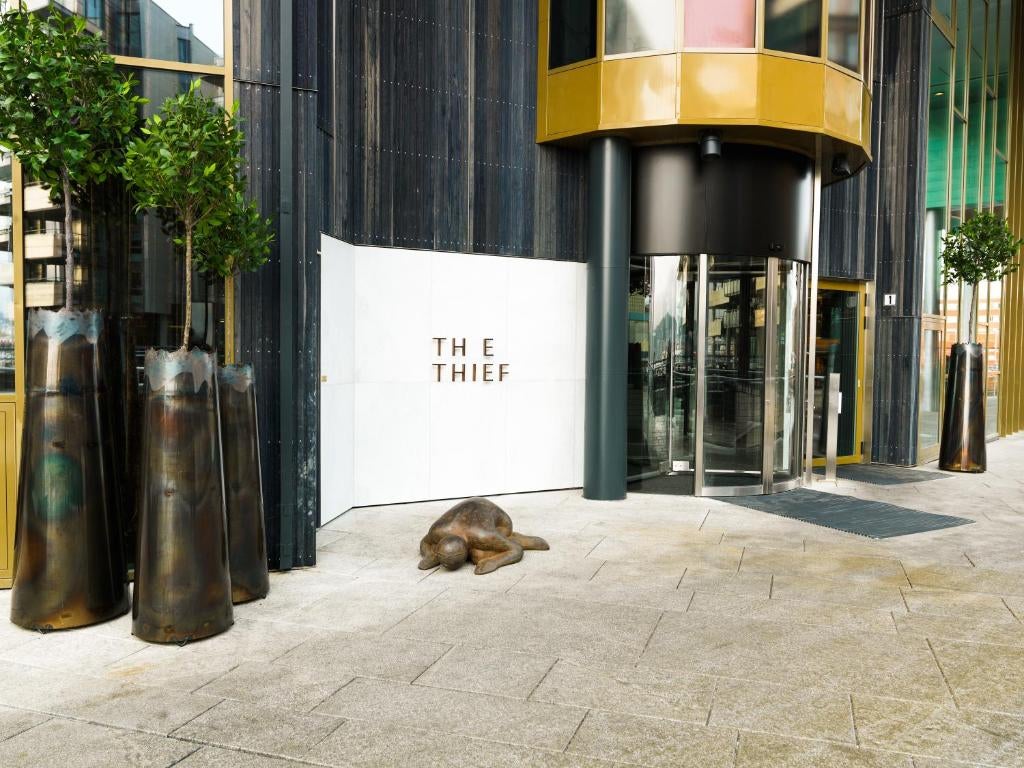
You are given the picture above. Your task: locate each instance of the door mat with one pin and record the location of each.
(882, 474)
(873, 519)
(668, 485)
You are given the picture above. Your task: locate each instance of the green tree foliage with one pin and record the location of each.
(982, 248)
(65, 110)
(187, 166)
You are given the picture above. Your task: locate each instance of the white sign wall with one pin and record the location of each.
(446, 375)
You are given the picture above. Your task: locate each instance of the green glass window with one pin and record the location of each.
(572, 34)
(793, 26)
(943, 8)
(937, 168)
(976, 110)
(631, 26)
(957, 187)
(963, 28)
(844, 33)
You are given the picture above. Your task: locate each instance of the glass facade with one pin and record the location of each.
(844, 33)
(633, 26)
(837, 350)
(572, 32)
(6, 274)
(793, 26)
(973, 149)
(719, 23)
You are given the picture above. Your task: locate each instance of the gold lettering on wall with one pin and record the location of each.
(448, 348)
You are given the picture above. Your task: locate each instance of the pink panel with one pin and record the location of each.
(718, 23)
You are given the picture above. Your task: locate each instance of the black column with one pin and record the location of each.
(608, 217)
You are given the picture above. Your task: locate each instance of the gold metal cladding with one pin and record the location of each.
(1011, 387)
(763, 96)
(69, 557)
(182, 578)
(737, 89)
(243, 490)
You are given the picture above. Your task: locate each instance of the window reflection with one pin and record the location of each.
(573, 32)
(189, 31)
(937, 175)
(793, 26)
(6, 276)
(129, 264)
(844, 33)
(718, 23)
(639, 25)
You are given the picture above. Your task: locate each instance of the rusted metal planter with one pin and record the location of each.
(247, 541)
(182, 580)
(962, 448)
(69, 557)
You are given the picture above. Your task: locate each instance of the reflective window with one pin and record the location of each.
(190, 31)
(844, 33)
(719, 23)
(937, 170)
(788, 369)
(793, 26)
(976, 111)
(836, 351)
(928, 423)
(129, 264)
(943, 8)
(631, 26)
(963, 27)
(572, 34)
(6, 276)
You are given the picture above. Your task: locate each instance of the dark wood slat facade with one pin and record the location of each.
(413, 126)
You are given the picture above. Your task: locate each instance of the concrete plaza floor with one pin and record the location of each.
(658, 631)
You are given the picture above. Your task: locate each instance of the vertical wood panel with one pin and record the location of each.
(903, 100)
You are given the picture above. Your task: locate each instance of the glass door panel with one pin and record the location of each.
(787, 380)
(837, 350)
(734, 373)
(929, 419)
(661, 389)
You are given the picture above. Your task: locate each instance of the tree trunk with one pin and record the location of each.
(69, 252)
(186, 332)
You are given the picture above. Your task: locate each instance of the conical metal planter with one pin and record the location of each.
(69, 557)
(182, 580)
(247, 541)
(962, 448)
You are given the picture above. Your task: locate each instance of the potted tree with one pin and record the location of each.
(981, 249)
(66, 113)
(186, 166)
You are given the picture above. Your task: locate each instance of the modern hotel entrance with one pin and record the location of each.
(716, 372)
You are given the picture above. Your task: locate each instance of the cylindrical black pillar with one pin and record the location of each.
(608, 212)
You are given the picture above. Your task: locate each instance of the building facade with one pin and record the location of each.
(562, 243)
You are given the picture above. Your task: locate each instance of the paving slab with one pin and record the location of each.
(758, 750)
(841, 659)
(488, 670)
(268, 730)
(361, 744)
(276, 685)
(939, 731)
(945, 602)
(495, 718)
(216, 757)
(794, 611)
(786, 710)
(59, 743)
(360, 605)
(70, 651)
(538, 625)
(653, 742)
(14, 721)
(135, 707)
(184, 669)
(391, 657)
(630, 690)
(1006, 631)
(606, 592)
(983, 675)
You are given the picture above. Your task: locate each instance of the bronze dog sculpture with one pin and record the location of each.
(478, 530)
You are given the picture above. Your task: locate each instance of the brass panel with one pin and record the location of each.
(844, 105)
(7, 481)
(639, 90)
(574, 100)
(718, 87)
(1011, 388)
(792, 92)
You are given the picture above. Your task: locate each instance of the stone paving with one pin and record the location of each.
(658, 631)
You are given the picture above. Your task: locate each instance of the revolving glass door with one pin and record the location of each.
(716, 372)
